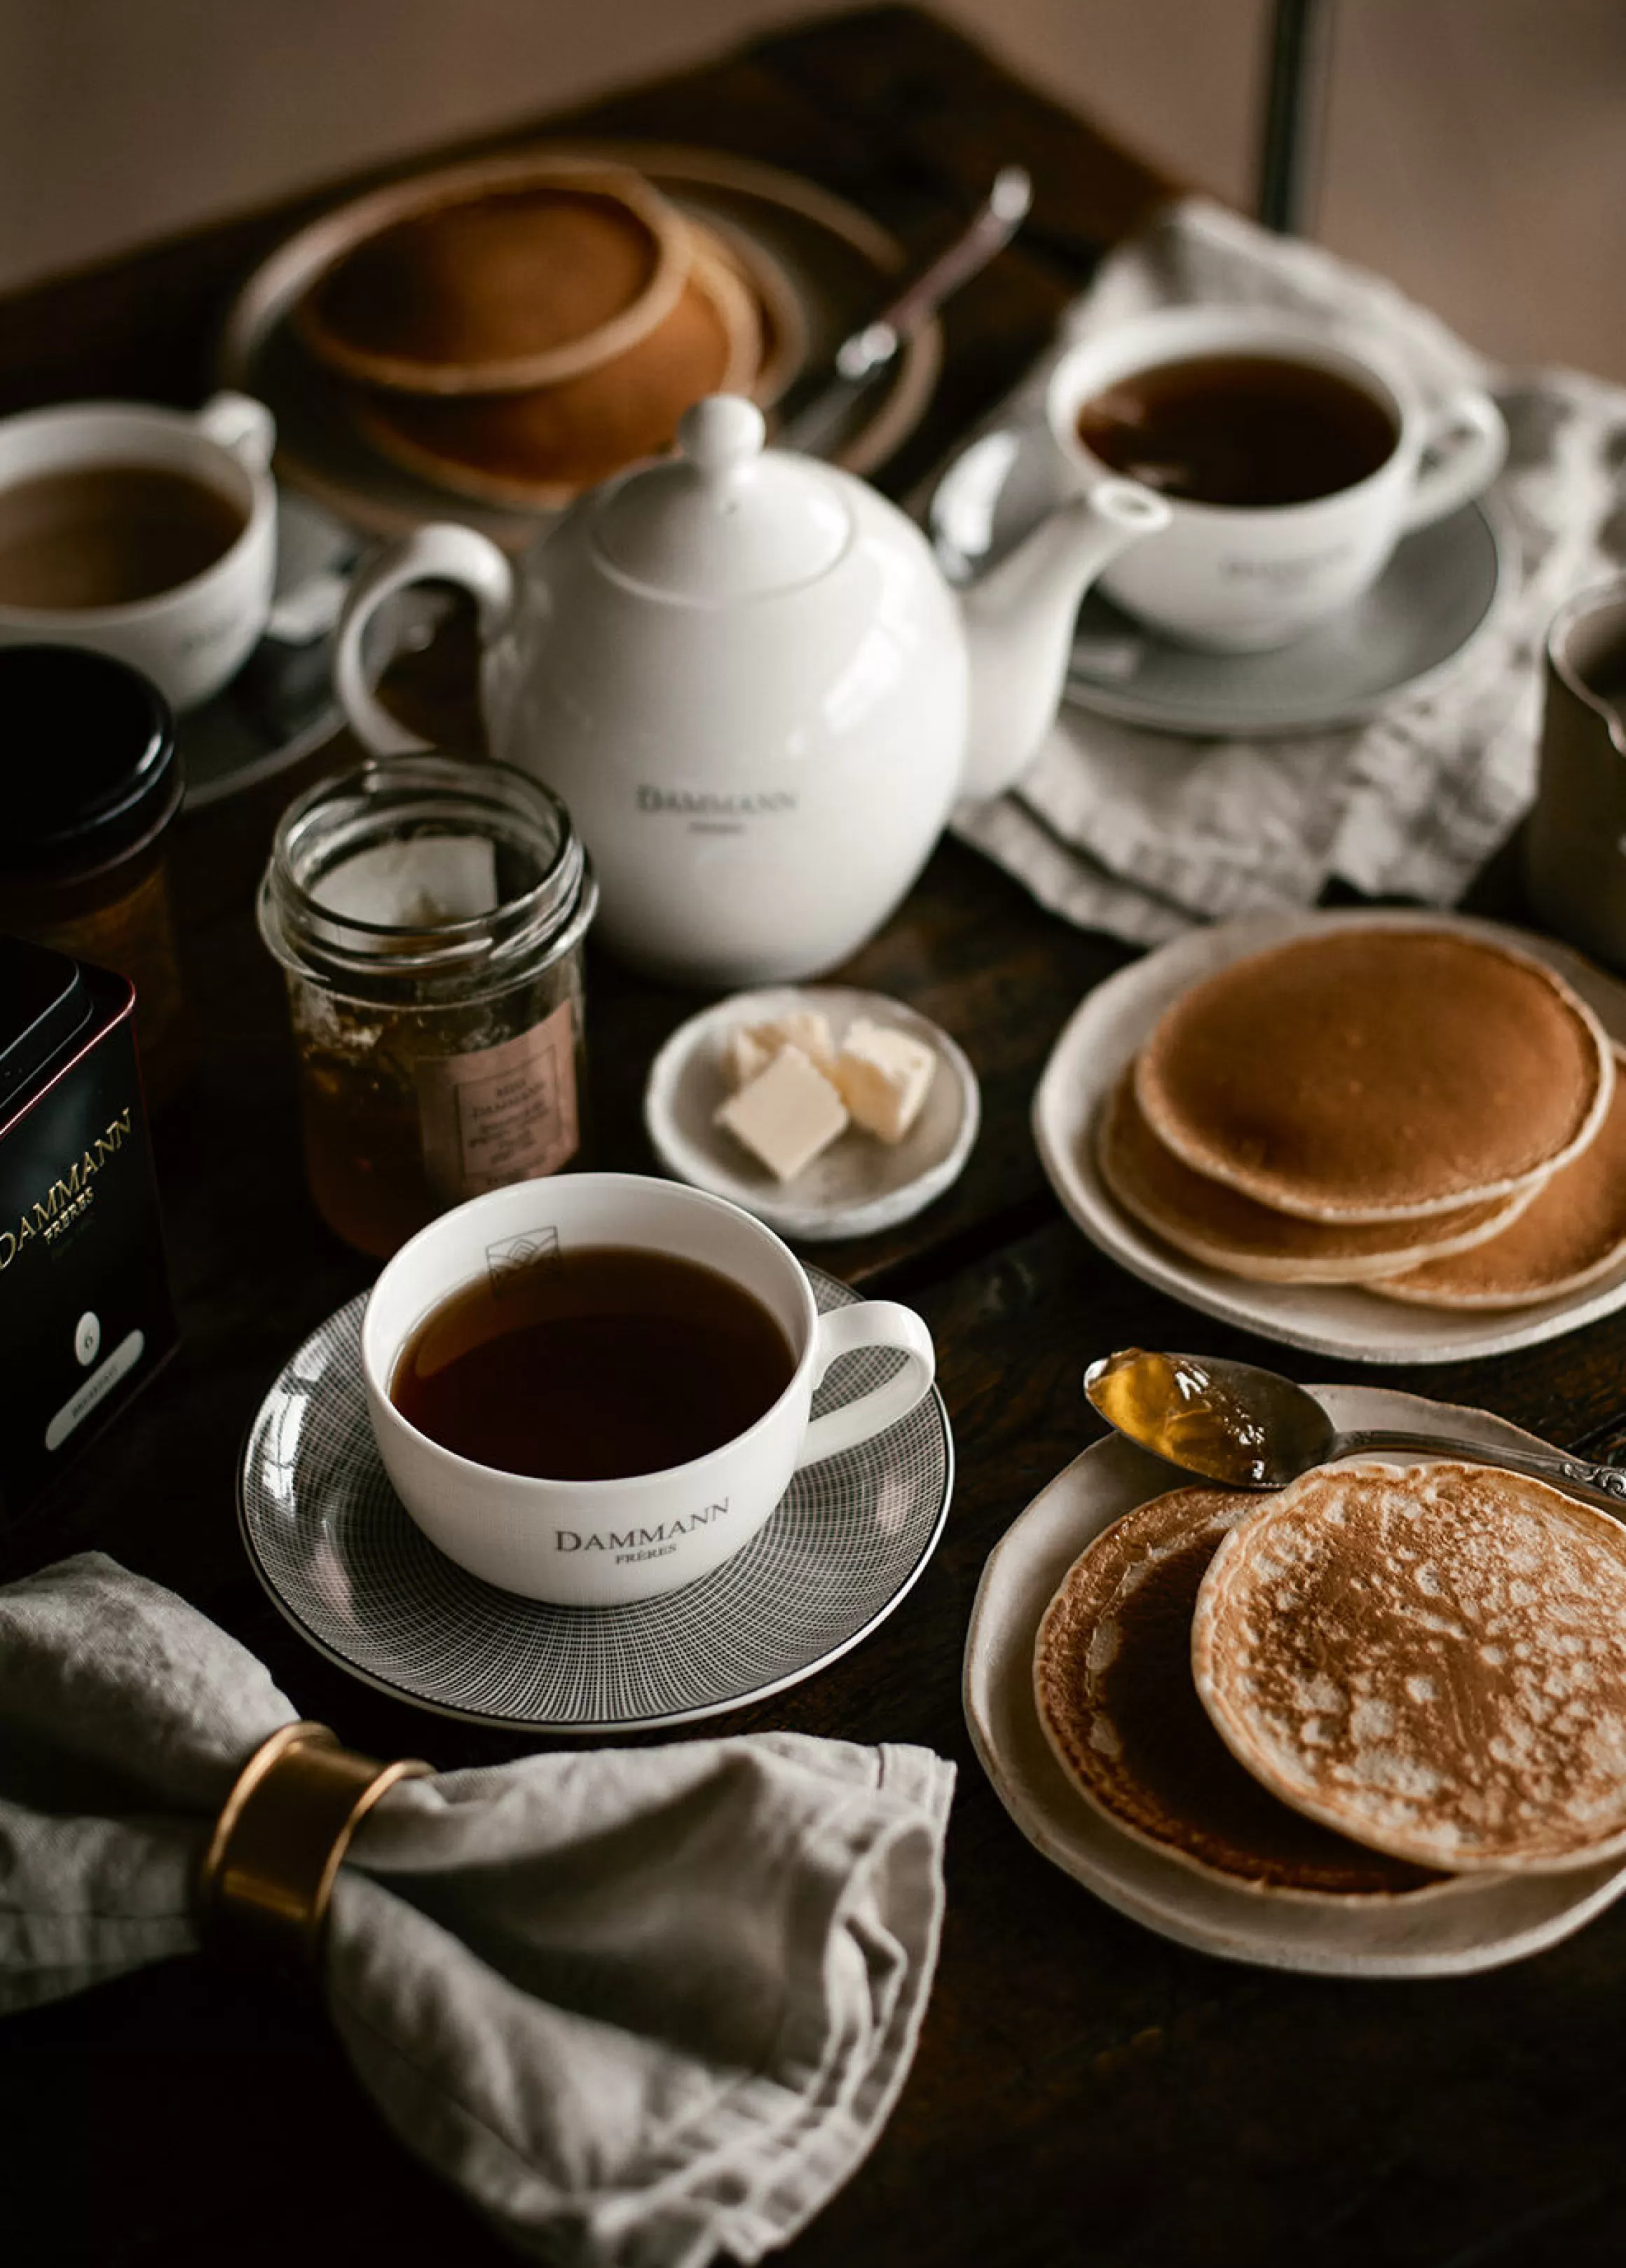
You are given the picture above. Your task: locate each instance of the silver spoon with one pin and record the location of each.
(1243, 1428)
(817, 404)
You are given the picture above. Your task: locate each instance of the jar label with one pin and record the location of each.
(503, 1114)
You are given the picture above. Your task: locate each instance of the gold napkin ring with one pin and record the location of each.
(267, 1874)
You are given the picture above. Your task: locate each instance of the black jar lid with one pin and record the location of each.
(91, 766)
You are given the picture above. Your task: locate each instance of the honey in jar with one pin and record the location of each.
(430, 917)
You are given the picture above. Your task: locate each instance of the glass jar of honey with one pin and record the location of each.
(430, 917)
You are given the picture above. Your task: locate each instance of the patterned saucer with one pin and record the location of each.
(329, 1540)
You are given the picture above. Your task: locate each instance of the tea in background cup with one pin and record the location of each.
(1291, 462)
(527, 1355)
(148, 535)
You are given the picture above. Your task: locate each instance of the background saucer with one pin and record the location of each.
(860, 1185)
(1109, 1026)
(280, 705)
(1449, 1931)
(1438, 594)
(329, 1540)
(836, 264)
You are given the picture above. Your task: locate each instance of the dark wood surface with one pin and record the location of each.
(1084, 2091)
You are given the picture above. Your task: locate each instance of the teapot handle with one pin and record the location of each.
(441, 553)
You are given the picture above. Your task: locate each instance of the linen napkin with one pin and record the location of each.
(1147, 834)
(641, 2005)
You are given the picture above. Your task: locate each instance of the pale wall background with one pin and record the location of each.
(1475, 151)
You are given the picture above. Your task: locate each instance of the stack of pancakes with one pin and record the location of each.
(1369, 1684)
(1420, 1111)
(521, 331)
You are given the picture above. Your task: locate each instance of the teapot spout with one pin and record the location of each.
(1018, 625)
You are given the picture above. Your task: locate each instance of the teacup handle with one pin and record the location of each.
(874, 1323)
(240, 423)
(440, 553)
(1468, 439)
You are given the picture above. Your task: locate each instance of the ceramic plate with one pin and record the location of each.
(279, 707)
(835, 264)
(860, 1185)
(1438, 594)
(1109, 1026)
(1447, 1931)
(328, 1538)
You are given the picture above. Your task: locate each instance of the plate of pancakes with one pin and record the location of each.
(1373, 1724)
(1391, 1137)
(486, 341)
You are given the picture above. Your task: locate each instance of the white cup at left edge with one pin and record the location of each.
(191, 639)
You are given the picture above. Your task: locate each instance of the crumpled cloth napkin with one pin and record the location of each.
(1147, 833)
(640, 2005)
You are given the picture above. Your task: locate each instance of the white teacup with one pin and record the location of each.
(1246, 578)
(190, 639)
(590, 1543)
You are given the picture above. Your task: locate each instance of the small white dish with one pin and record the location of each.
(1438, 594)
(1450, 1930)
(1109, 1026)
(340, 1557)
(860, 1185)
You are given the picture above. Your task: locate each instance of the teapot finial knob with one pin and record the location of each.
(722, 434)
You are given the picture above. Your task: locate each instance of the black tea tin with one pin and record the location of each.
(85, 1314)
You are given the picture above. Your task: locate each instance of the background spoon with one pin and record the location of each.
(1242, 1427)
(817, 405)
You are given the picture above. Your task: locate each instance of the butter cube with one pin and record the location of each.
(884, 1077)
(746, 1055)
(787, 1114)
(751, 1048)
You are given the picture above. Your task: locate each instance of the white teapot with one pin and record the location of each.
(747, 678)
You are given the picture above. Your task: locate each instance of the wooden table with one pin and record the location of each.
(1084, 2090)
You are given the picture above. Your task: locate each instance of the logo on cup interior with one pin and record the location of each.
(632, 1543)
(511, 1255)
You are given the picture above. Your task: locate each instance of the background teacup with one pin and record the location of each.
(1247, 576)
(598, 1543)
(1575, 840)
(91, 519)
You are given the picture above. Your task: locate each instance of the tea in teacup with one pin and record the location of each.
(593, 1364)
(1239, 430)
(108, 536)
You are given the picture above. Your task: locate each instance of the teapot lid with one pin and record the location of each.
(724, 520)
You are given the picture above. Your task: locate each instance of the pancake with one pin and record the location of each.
(1112, 1681)
(501, 285)
(781, 325)
(1572, 1232)
(1430, 1659)
(1224, 1229)
(1369, 1072)
(542, 447)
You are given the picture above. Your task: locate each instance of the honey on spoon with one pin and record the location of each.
(1240, 1426)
